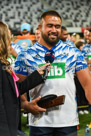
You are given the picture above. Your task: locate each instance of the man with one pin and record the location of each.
(25, 39)
(64, 36)
(86, 50)
(85, 34)
(37, 34)
(80, 45)
(81, 98)
(60, 120)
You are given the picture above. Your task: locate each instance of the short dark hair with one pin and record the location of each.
(89, 30)
(63, 28)
(79, 44)
(50, 12)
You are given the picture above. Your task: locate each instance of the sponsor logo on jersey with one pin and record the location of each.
(57, 71)
(89, 57)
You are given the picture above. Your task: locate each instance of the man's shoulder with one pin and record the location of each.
(86, 47)
(67, 46)
(28, 53)
(69, 42)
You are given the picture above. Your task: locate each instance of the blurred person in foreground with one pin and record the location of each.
(10, 87)
(59, 120)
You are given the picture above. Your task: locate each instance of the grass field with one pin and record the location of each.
(84, 120)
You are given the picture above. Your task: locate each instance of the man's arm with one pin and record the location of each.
(32, 106)
(84, 77)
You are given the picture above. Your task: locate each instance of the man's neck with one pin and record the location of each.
(42, 42)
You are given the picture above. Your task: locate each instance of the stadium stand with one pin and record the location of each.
(75, 13)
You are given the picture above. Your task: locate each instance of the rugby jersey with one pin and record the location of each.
(60, 81)
(86, 50)
(69, 42)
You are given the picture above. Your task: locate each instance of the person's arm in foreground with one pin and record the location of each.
(32, 80)
(30, 106)
(84, 77)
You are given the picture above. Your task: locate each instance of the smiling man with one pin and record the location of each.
(50, 27)
(60, 120)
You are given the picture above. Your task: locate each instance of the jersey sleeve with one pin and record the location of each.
(80, 62)
(25, 64)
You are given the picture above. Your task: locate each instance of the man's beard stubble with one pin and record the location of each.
(50, 42)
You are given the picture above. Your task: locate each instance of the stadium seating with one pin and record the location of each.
(75, 13)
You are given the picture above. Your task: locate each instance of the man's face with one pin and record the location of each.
(64, 35)
(51, 29)
(86, 33)
(89, 38)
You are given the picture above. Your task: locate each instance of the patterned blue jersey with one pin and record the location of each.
(86, 50)
(69, 42)
(31, 58)
(60, 81)
(16, 47)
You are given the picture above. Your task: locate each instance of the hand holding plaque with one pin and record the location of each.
(51, 101)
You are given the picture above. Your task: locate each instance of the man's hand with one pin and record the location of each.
(32, 106)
